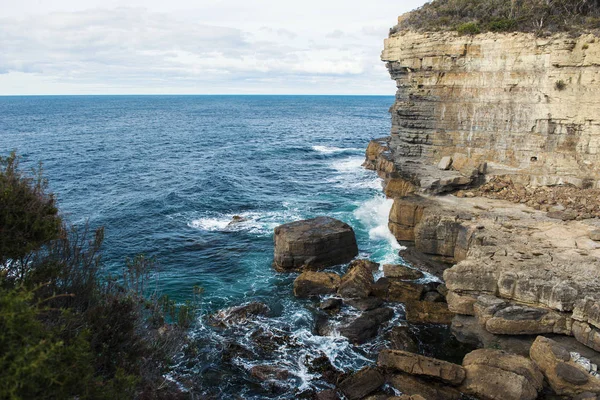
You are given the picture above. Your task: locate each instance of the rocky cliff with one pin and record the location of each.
(513, 103)
(493, 163)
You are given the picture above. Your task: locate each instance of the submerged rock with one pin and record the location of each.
(315, 243)
(238, 314)
(269, 373)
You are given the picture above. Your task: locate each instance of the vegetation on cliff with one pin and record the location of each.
(67, 329)
(476, 16)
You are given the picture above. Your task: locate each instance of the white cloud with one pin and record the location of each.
(236, 47)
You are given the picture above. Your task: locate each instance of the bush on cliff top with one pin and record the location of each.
(67, 330)
(537, 16)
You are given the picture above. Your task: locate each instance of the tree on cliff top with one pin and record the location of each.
(537, 16)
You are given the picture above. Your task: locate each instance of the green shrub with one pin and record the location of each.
(67, 329)
(469, 28)
(501, 25)
(537, 16)
(560, 85)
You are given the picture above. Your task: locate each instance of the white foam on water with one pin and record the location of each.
(374, 215)
(253, 222)
(332, 149)
(348, 165)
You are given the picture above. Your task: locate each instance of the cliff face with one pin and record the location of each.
(515, 103)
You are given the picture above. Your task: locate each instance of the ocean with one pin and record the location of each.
(165, 175)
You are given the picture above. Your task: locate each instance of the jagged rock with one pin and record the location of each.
(395, 187)
(497, 375)
(269, 373)
(238, 314)
(357, 282)
(415, 364)
(427, 312)
(322, 365)
(331, 304)
(401, 339)
(315, 243)
(412, 385)
(564, 376)
(445, 163)
(369, 303)
(403, 292)
(401, 272)
(312, 283)
(366, 325)
(362, 383)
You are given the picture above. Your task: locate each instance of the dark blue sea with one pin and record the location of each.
(165, 175)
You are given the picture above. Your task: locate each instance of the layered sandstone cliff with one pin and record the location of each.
(507, 109)
(511, 103)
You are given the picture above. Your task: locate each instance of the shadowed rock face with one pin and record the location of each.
(313, 244)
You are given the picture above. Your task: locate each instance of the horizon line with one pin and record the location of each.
(191, 94)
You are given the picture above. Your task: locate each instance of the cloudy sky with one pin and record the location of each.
(196, 47)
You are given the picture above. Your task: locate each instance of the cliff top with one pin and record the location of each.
(477, 16)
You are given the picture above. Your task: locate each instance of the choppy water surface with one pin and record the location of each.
(166, 174)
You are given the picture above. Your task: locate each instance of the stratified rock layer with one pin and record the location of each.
(523, 105)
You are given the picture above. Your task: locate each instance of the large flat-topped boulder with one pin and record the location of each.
(313, 244)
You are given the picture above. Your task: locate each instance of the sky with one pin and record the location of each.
(196, 47)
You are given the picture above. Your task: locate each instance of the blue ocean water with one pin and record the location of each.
(166, 174)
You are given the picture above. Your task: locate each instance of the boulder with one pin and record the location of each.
(566, 377)
(415, 364)
(595, 235)
(366, 325)
(269, 373)
(238, 314)
(497, 375)
(315, 243)
(401, 272)
(312, 283)
(427, 312)
(403, 292)
(362, 383)
(413, 386)
(357, 282)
